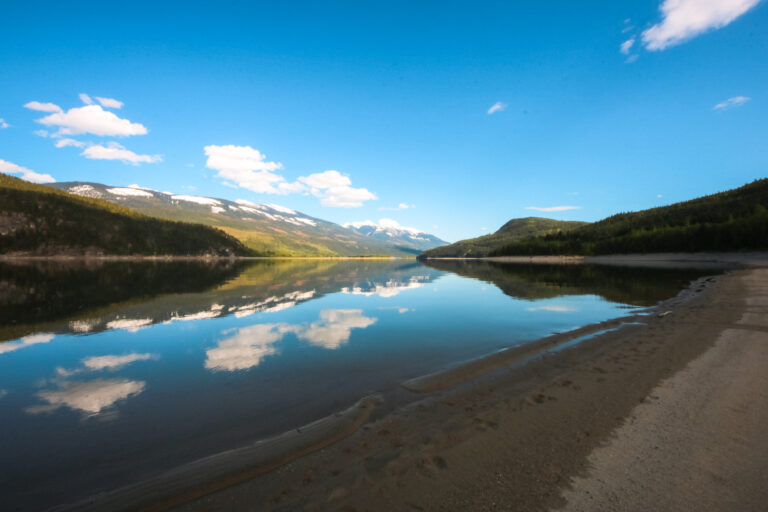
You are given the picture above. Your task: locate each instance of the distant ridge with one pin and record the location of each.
(41, 221)
(406, 239)
(269, 229)
(512, 231)
(733, 220)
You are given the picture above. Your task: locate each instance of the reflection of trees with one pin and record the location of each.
(80, 298)
(627, 285)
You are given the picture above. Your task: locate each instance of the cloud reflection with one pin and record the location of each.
(335, 327)
(250, 345)
(26, 341)
(247, 348)
(91, 397)
(553, 308)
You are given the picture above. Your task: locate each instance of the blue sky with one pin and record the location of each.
(260, 100)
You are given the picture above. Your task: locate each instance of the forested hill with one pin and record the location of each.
(727, 221)
(39, 220)
(512, 231)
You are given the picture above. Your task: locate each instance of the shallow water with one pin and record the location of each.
(114, 372)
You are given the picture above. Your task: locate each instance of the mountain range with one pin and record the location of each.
(267, 229)
(388, 231)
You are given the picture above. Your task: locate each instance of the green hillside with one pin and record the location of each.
(728, 221)
(39, 220)
(513, 231)
(270, 230)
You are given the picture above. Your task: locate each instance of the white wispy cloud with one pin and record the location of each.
(552, 208)
(115, 151)
(685, 19)
(497, 107)
(42, 107)
(25, 174)
(3, 124)
(92, 119)
(335, 190)
(247, 167)
(626, 46)
(109, 102)
(736, 101)
(85, 98)
(65, 142)
(401, 206)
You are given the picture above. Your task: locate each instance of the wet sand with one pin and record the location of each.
(667, 415)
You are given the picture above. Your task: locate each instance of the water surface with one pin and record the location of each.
(114, 372)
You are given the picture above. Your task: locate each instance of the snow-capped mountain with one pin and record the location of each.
(388, 230)
(267, 228)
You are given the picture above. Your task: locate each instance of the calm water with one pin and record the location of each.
(113, 373)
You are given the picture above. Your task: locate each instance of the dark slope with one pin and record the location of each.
(512, 231)
(39, 220)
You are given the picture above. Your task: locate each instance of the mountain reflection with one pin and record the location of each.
(627, 285)
(85, 299)
(246, 347)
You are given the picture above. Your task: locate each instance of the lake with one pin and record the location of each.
(113, 372)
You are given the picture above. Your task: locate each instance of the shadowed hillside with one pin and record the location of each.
(39, 220)
(728, 221)
(512, 231)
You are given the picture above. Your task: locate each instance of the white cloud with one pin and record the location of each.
(86, 99)
(62, 143)
(3, 124)
(497, 107)
(736, 101)
(483, 228)
(109, 102)
(401, 206)
(685, 19)
(42, 107)
(247, 167)
(552, 208)
(90, 119)
(115, 151)
(41, 133)
(26, 174)
(626, 46)
(333, 189)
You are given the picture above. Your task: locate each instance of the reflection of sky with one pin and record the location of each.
(174, 387)
(91, 397)
(26, 341)
(249, 345)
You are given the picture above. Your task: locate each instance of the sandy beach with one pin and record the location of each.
(661, 411)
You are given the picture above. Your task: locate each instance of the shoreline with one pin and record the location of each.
(518, 370)
(665, 260)
(169, 258)
(519, 434)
